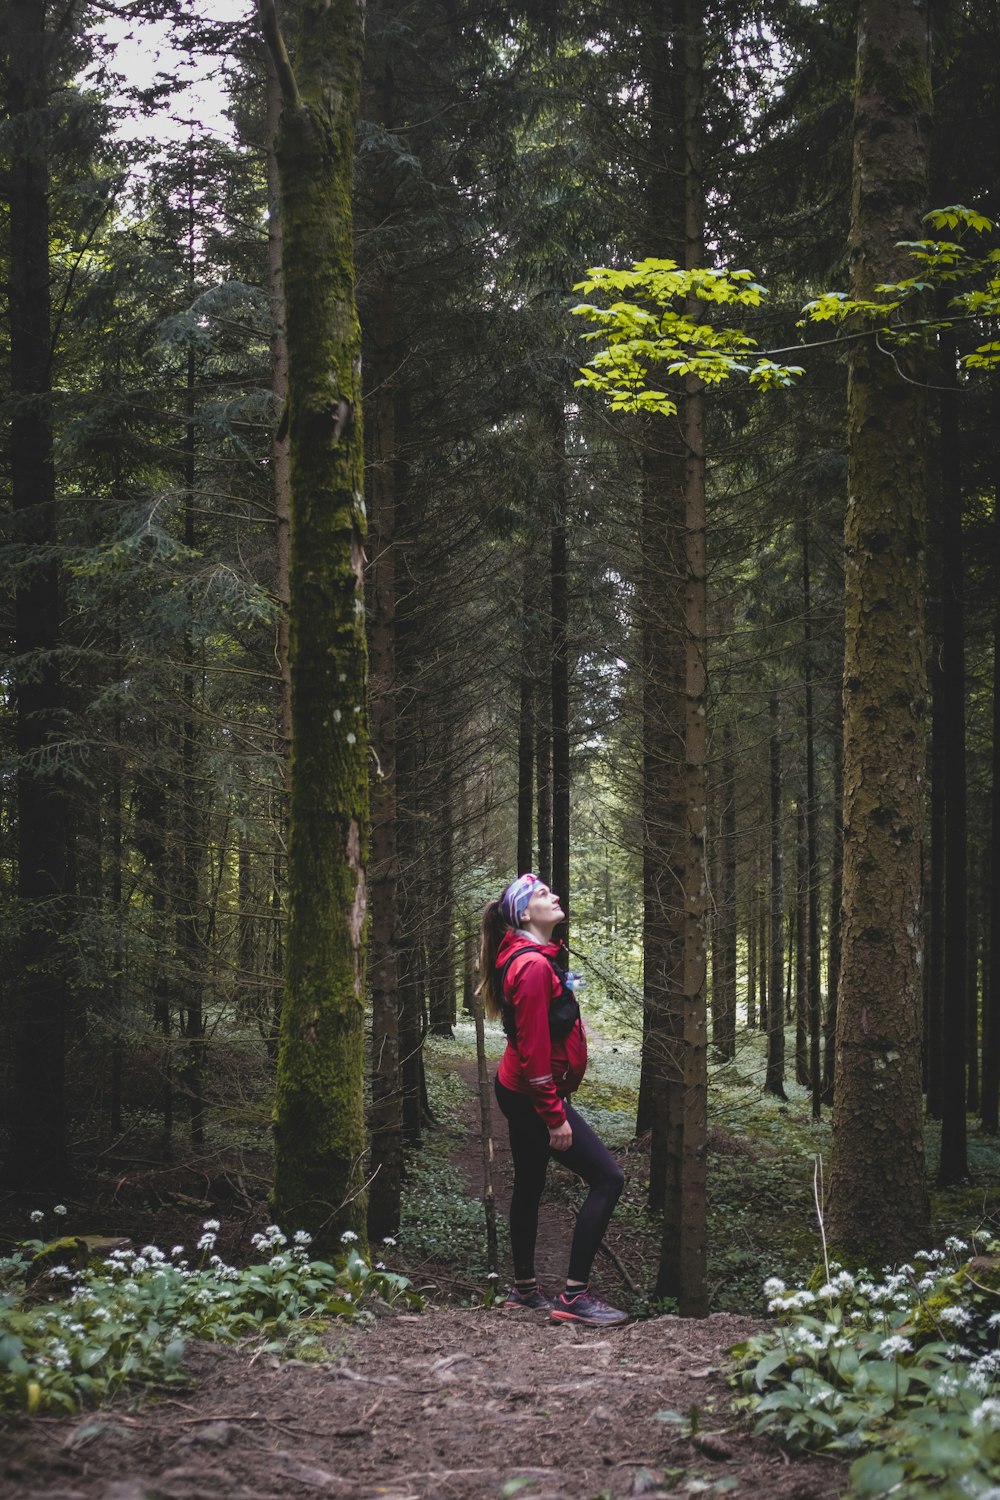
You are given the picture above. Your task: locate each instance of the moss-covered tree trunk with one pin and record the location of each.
(320, 1147)
(878, 1199)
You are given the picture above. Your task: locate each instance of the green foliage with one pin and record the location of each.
(72, 1337)
(860, 1364)
(661, 329)
(940, 264)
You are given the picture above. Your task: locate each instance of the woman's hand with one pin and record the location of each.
(561, 1136)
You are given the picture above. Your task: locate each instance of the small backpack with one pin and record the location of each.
(564, 1009)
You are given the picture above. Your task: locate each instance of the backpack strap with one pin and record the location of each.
(509, 1023)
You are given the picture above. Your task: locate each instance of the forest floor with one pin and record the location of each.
(452, 1402)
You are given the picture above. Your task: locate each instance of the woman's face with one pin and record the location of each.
(543, 910)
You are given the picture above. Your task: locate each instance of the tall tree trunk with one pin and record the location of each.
(38, 1145)
(836, 905)
(878, 1200)
(661, 611)
(953, 1163)
(801, 949)
(190, 802)
(442, 1003)
(525, 740)
(815, 1000)
(559, 685)
(763, 956)
(281, 496)
(972, 993)
(935, 918)
(543, 781)
(319, 1126)
(281, 479)
(990, 1111)
(683, 1247)
(385, 1193)
(727, 894)
(774, 1081)
(752, 954)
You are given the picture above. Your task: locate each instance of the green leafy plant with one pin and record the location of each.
(72, 1335)
(905, 1367)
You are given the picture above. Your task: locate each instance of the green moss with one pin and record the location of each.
(320, 1141)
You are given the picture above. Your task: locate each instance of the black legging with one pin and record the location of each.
(588, 1157)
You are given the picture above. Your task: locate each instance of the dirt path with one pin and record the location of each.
(449, 1404)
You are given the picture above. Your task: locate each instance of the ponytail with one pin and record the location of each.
(494, 927)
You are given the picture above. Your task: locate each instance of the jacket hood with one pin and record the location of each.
(512, 941)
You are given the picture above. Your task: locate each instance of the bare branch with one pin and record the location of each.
(275, 42)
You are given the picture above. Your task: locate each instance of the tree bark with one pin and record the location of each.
(559, 683)
(878, 1204)
(38, 1156)
(953, 1163)
(990, 1109)
(385, 1193)
(319, 1128)
(683, 1248)
(815, 1000)
(774, 1081)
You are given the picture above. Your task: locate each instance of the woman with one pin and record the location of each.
(544, 1062)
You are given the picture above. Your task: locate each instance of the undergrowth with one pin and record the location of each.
(71, 1336)
(902, 1371)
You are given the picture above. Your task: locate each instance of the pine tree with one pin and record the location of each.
(319, 1121)
(878, 1141)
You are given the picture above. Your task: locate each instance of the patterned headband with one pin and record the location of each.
(514, 901)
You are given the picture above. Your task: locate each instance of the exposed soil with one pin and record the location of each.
(451, 1402)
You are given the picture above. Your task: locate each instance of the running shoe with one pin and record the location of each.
(533, 1301)
(584, 1307)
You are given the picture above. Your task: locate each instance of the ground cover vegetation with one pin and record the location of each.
(723, 668)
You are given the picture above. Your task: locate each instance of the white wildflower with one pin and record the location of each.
(36, 1216)
(774, 1287)
(988, 1414)
(956, 1317)
(302, 1237)
(388, 1240)
(207, 1242)
(60, 1209)
(212, 1225)
(890, 1347)
(348, 1237)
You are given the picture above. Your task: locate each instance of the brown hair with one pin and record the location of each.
(494, 927)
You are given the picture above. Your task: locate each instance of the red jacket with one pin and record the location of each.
(535, 1064)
